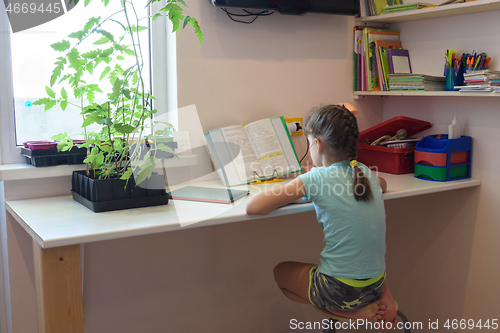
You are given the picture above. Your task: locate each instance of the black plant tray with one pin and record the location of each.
(101, 195)
(106, 206)
(51, 157)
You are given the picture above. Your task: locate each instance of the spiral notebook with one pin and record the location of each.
(208, 194)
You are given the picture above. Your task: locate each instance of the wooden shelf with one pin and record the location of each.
(363, 94)
(434, 12)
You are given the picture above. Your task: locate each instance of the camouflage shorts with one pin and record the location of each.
(329, 293)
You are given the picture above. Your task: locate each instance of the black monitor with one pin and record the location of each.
(295, 7)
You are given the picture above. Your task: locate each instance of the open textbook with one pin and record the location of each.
(259, 150)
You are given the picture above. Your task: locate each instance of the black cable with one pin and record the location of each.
(307, 150)
(263, 13)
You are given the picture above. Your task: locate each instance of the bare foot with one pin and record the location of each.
(368, 312)
(387, 312)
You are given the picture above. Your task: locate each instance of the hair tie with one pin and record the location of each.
(354, 163)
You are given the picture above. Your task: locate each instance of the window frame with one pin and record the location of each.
(164, 87)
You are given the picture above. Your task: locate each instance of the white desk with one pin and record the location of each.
(59, 224)
(61, 221)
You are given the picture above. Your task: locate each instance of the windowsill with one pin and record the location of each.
(26, 171)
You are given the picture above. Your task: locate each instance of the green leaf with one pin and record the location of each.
(94, 87)
(91, 54)
(141, 28)
(91, 22)
(105, 72)
(106, 121)
(78, 34)
(49, 104)
(61, 46)
(106, 34)
(86, 3)
(197, 29)
(74, 59)
(90, 96)
(126, 175)
(54, 76)
(64, 104)
(102, 40)
(99, 159)
(186, 21)
(129, 52)
(116, 89)
(64, 94)
(166, 149)
(120, 57)
(124, 129)
(41, 101)
(184, 3)
(146, 170)
(50, 92)
(89, 159)
(106, 53)
(90, 120)
(155, 16)
(90, 68)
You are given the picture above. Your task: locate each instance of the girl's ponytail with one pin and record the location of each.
(361, 184)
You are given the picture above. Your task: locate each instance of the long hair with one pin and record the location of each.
(338, 129)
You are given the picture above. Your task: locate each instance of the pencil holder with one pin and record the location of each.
(454, 77)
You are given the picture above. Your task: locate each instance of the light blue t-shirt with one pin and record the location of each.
(354, 230)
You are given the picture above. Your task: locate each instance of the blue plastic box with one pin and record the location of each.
(443, 159)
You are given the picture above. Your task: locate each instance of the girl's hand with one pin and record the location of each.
(383, 184)
(265, 202)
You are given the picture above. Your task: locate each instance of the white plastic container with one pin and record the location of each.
(454, 130)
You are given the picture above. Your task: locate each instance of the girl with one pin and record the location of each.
(347, 197)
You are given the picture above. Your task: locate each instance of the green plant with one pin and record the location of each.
(125, 117)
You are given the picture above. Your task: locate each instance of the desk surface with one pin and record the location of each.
(61, 221)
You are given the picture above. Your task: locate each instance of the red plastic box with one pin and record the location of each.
(390, 160)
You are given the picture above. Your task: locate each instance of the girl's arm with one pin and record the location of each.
(265, 202)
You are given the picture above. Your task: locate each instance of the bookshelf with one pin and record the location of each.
(383, 21)
(364, 94)
(434, 12)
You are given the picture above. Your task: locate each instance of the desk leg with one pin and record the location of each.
(58, 289)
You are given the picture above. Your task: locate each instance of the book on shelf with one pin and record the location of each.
(381, 47)
(358, 43)
(472, 72)
(399, 61)
(481, 80)
(260, 150)
(379, 5)
(370, 36)
(420, 82)
(405, 7)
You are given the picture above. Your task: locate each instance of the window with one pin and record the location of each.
(29, 61)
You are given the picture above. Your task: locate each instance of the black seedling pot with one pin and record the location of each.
(102, 195)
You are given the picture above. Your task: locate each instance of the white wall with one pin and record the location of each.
(444, 248)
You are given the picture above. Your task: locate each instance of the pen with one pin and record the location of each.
(477, 62)
(486, 62)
